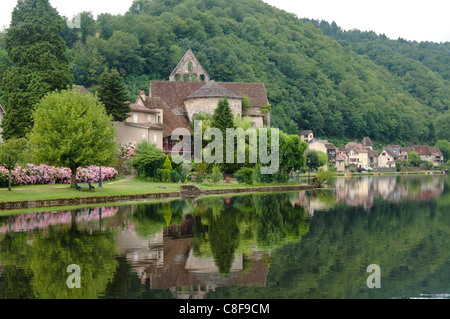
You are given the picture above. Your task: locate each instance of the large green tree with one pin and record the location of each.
(72, 130)
(112, 92)
(37, 51)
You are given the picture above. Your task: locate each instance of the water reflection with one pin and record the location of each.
(294, 245)
(362, 191)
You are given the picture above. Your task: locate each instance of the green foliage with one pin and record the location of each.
(12, 152)
(39, 64)
(167, 163)
(72, 129)
(414, 159)
(244, 175)
(222, 117)
(361, 85)
(216, 174)
(245, 103)
(444, 147)
(112, 93)
(316, 159)
(147, 160)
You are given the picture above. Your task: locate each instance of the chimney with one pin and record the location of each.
(142, 92)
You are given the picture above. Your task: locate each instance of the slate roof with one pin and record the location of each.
(367, 141)
(213, 89)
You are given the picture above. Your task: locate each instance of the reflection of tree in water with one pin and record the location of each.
(45, 258)
(237, 225)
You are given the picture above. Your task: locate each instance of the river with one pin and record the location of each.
(295, 245)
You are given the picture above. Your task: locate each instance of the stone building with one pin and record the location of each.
(173, 104)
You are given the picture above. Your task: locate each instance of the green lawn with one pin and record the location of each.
(118, 187)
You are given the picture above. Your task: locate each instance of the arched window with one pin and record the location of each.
(190, 66)
(185, 78)
(202, 78)
(194, 78)
(177, 77)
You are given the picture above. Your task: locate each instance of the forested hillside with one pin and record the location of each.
(341, 85)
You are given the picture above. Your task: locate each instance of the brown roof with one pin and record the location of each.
(146, 125)
(330, 146)
(213, 89)
(367, 141)
(420, 149)
(174, 93)
(140, 108)
(171, 120)
(436, 151)
(306, 132)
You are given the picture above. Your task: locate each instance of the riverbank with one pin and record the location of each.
(130, 189)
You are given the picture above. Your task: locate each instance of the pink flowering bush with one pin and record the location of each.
(127, 150)
(31, 174)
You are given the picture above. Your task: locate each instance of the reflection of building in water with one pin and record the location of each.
(362, 191)
(167, 261)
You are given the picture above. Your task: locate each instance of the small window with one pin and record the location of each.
(190, 66)
(202, 78)
(149, 118)
(177, 77)
(155, 138)
(135, 118)
(194, 78)
(185, 78)
(159, 119)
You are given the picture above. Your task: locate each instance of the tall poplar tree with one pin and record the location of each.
(112, 92)
(37, 51)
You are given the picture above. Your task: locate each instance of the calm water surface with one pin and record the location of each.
(283, 245)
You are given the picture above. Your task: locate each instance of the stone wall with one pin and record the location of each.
(208, 105)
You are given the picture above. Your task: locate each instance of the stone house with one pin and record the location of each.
(386, 158)
(358, 155)
(428, 154)
(306, 135)
(173, 104)
(325, 147)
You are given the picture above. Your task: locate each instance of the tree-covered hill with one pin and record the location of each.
(340, 88)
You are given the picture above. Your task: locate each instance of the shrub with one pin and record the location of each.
(174, 176)
(216, 174)
(244, 175)
(163, 175)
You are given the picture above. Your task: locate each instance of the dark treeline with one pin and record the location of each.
(344, 88)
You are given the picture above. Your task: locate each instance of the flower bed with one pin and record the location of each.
(31, 174)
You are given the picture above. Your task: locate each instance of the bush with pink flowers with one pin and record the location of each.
(31, 174)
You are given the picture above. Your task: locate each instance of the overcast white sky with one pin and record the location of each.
(418, 20)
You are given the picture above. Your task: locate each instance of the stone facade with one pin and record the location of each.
(189, 69)
(209, 104)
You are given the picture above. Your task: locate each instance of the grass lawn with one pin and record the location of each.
(117, 187)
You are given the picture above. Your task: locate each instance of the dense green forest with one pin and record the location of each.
(342, 85)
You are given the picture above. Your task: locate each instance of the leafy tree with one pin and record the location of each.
(72, 130)
(37, 51)
(444, 147)
(12, 152)
(112, 93)
(414, 159)
(167, 163)
(316, 159)
(148, 159)
(441, 126)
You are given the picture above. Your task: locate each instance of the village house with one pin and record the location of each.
(358, 155)
(428, 154)
(325, 147)
(173, 104)
(390, 155)
(306, 135)
(341, 159)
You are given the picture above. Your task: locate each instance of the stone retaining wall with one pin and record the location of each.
(187, 191)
